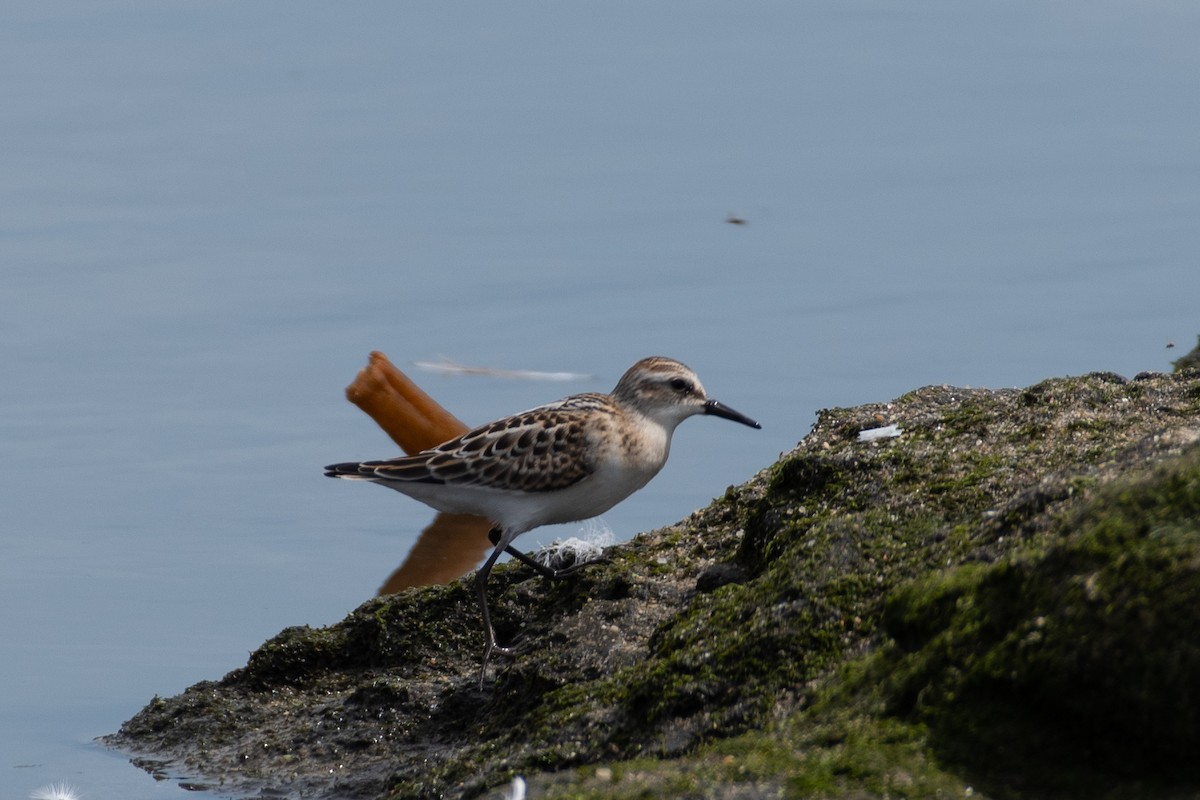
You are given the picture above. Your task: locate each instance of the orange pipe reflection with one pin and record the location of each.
(453, 544)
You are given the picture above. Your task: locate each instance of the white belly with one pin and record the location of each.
(518, 512)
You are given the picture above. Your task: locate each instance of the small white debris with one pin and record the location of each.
(886, 432)
(594, 537)
(517, 790)
(55, 791)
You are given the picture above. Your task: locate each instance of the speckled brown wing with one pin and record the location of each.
(540, 450)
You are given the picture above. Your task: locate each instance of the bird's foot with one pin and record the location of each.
(567, 572)
(547, 571)
(488, 649)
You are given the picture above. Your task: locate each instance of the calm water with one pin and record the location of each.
(210, 213)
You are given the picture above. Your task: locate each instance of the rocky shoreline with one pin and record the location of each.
(1001, 601)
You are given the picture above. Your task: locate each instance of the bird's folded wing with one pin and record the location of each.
(541, 450)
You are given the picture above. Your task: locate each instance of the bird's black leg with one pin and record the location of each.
(489, 633)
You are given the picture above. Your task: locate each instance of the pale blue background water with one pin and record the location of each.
(211, 212)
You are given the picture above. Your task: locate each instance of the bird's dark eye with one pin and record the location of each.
(681, 385)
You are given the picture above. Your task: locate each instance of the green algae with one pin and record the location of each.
(910, 617)
(1082, 652)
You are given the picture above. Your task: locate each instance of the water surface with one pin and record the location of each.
(211, 213)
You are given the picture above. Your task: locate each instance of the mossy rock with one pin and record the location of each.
(1001, 597)
(1082, 656)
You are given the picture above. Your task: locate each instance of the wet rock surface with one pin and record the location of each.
(1003, 600)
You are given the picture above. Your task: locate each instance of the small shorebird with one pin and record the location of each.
(561, 462)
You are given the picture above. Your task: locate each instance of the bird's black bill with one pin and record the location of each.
(721, 410)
